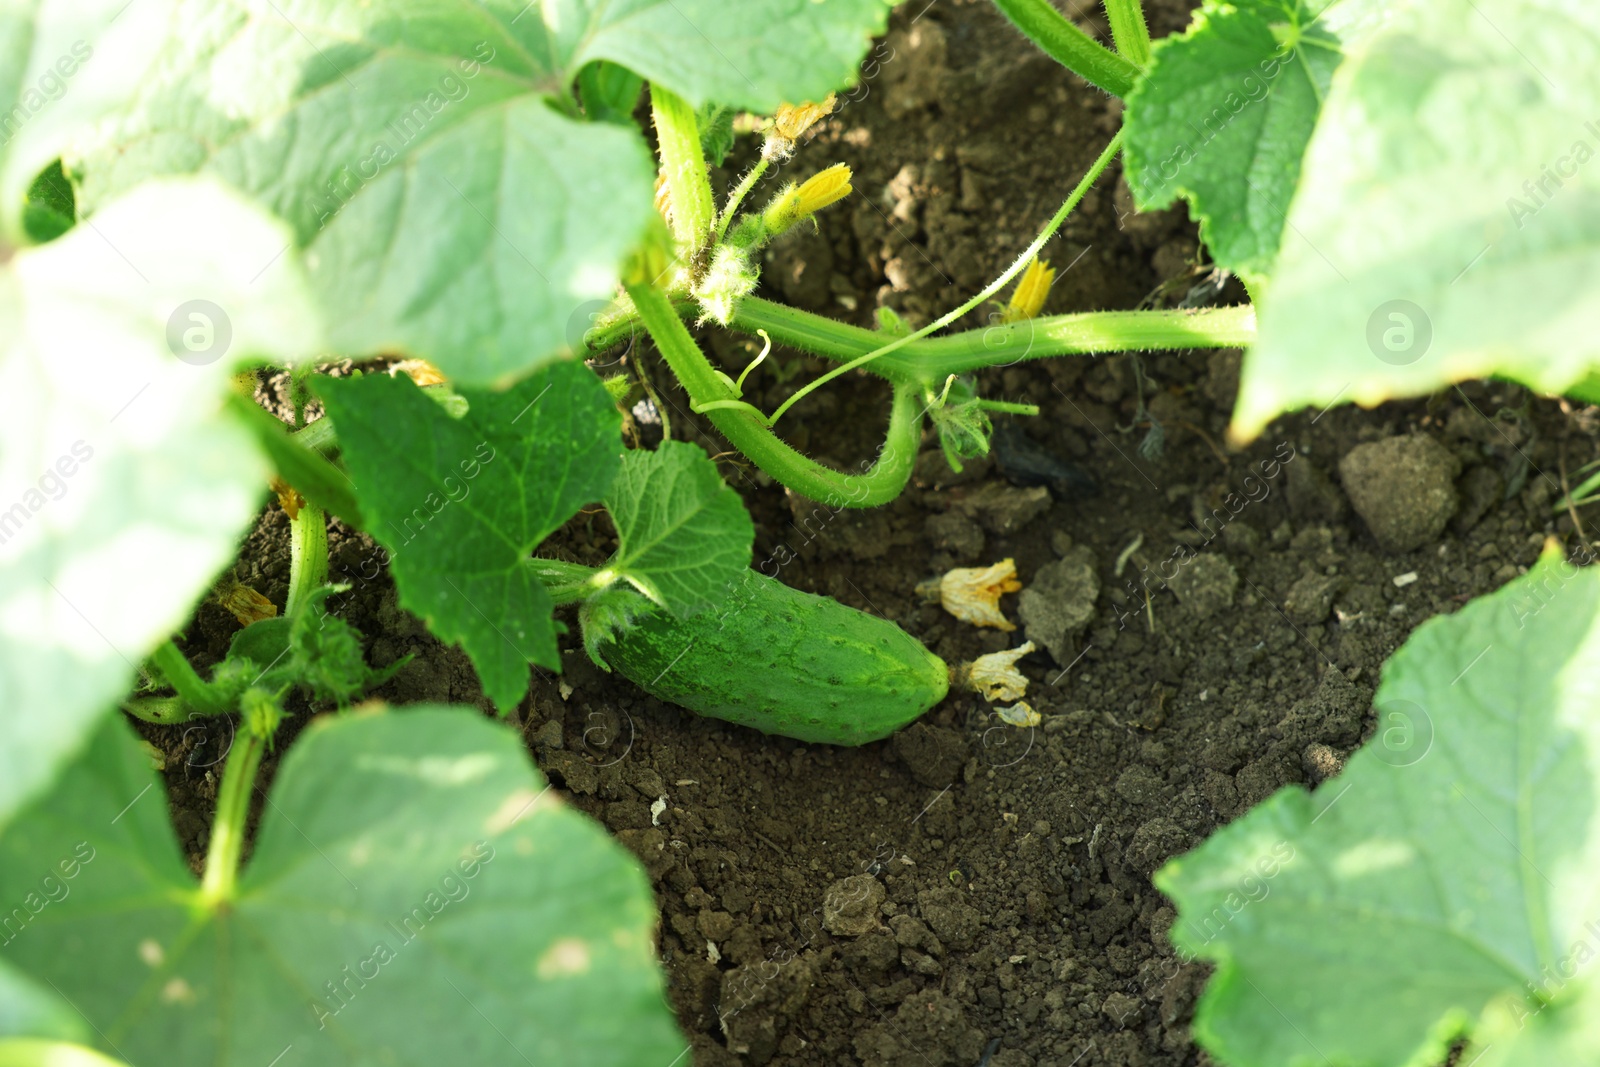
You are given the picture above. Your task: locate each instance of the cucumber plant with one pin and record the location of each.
(189, 190)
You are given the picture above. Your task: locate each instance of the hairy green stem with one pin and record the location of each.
(1055, 34)
(1129, 31)
(163, 711)
(566, 582)
(749, 433)
(308, 556)
(194, 692)
(1049, 231)
(736, 197)
(227, 830)
(683, 164)
(931, 360)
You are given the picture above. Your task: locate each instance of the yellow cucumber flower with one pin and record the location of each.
(1032, 290)
(995, 676)
(418, 370)
(1020, 714)
(972, 594)
(242, 602)
(793, 120)
(811, 196)
(790, 124)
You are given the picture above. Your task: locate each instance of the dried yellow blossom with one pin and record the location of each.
(811, 196)
(244, 603)
(1020, 714)
(972, 594)
(995, 676)
(793, 120)
(289, 498)
(418, 370)
(1032, 290)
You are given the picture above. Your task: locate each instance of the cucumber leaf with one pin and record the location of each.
(461, 503)
(1523, 1031)
(1448, 226)
(51, 207)
(1224, 114)
(127, 484)
(416, 896)
(428, 154)
(29, 1011)
(683, 535)
(1449, 866)
(64, 64)
(34, 1052)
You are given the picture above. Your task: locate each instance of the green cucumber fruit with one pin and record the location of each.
(784, 662)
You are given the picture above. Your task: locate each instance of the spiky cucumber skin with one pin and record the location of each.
(785, 662)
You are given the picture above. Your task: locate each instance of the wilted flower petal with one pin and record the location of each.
(972, 594)
(995, 676)
(244, 603)
(1020, 714)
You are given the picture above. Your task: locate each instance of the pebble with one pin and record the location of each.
(1060, 602)
(1403, 488)
(1003, 509)
(850, 906)
(1206, 584)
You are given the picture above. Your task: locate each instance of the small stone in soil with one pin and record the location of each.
(1403, 488)
(850, 906)
(1206, 584)
(1311, 598)
(1060, 602)
(1003, 509)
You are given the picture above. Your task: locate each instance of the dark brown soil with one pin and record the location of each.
(1018, 925)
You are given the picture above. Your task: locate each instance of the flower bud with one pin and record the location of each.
(815, 193)
(1032, 290)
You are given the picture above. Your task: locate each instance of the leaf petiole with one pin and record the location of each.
(227, 831)
(1060, 39)
(749, 433)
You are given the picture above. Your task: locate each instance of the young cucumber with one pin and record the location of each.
(785, 662)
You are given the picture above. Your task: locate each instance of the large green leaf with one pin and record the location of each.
(1448, 225)
(427, 156)
(683, 535)
(32, 1052)
(1451, 865)
(63, 65)
(416, 897)
(30, 1011)
(1560, 1025)
(126, 484)
(1225, 112)
(461, 503)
